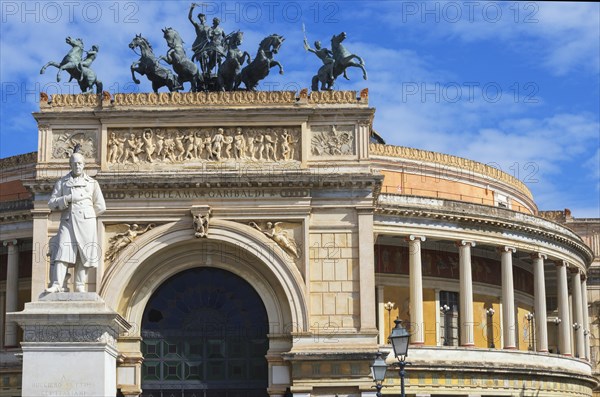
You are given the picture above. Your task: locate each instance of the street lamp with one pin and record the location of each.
(490, 313)
(400, 339)
(576, 327)
(389, 306)
(529, 316)
(557, 321)
(378, 369)
(445, 309)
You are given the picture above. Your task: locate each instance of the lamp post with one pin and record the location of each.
(529, 316)
(490, 313)
(445, 309)
(378, 369)
(557, 321)
(389, 306)
(400, 339)
(576, 327)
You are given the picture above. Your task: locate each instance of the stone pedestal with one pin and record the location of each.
(69, 345)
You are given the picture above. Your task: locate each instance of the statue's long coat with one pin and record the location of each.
(78, 230)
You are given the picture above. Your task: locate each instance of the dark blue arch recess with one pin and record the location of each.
(205, 334)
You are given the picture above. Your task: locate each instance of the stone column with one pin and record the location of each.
(578, 314)
(12, 292)
(2, 322)
(586, 318)
(539, 293)
(39, 260)
(564, 328)
(366, 255)
(508, 298)
(466, 293)
(381, 315)
(416, 289)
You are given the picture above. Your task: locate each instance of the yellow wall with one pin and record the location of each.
(486, 328)
(429, 312)
(400, 296)
(523, 327)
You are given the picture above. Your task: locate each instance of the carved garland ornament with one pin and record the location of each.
(333, 141)
(180, 145)
(64, 141)
(243, 98)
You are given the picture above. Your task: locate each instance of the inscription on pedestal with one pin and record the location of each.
(63, 387)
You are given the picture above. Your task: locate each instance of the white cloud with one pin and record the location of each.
(564, 40)
(564, 37)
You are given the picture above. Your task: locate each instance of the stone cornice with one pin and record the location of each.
(59, 102)
(18, 160)
(16, 211)
(450, 161)
(461, 213)
(293, 180)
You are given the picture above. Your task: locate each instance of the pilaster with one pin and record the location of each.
(12, 291)
(366, 254)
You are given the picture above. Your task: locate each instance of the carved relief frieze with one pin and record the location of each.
(333, 140)
(65, 140)
(180, 145)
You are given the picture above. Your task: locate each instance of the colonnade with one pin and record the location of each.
(12, 291)
(572, 332)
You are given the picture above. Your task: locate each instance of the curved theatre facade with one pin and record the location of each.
(261, 243)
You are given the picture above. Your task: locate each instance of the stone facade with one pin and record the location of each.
(289, 194)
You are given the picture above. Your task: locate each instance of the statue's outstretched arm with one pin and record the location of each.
(191, 14)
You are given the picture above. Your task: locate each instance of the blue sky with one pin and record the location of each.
(512, 84)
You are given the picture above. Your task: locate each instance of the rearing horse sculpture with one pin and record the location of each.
(230, 68)
(72, 63)
(186, 69)
(343, 59)
(148, 65)
(259, 68)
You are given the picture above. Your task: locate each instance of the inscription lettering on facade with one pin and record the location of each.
(181, 145)
(164, 194)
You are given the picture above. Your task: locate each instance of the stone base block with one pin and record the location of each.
(69, 369)
(69, 346)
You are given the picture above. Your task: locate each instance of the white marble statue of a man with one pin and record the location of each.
(80, 199)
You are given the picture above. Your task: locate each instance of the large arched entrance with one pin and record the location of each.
(204, 333)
